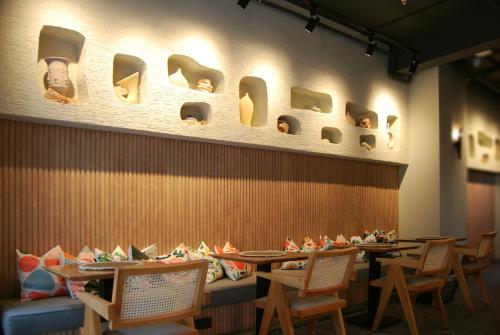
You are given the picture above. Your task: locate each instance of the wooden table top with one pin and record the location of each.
(382, 249)
(290, 256)
(73, 271)
(423, 240)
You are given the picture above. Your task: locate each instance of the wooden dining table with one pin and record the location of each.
(374, 251)
(263, 264)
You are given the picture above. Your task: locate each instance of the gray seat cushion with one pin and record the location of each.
(162, 329)
(38, 316)
(226, 291)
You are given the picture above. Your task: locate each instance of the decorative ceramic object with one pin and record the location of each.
(246, 110)
(178, 79)
(58, 74)
(366, 146)
(205, 85)
(365, 122)
(127, 89)
(283, 126)
(390, 140)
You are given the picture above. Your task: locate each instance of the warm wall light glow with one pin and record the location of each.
(456, 134)
(62, 17)
(385, 104)
(201, 49)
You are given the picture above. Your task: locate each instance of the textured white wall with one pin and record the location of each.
(419, 196)
(260, 41)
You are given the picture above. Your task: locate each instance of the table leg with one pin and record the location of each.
(459, 273)
(262, 291)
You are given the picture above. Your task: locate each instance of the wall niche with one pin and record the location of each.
(331, 134)
(293, 125)
(484, 140)
(129, 74)
(367, 142)
(196, 113)
(64, 50)
(497, 149)
(302, 98)
(472, 145)
(185, 72)
(253, 101)
(356, 115)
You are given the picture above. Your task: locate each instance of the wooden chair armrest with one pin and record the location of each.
(293, 281)
(406, 262)
(98, 304)
(468, 250)
(414, 255)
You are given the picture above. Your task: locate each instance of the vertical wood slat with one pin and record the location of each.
(76, 187)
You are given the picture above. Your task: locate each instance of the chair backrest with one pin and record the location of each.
(436, 255)
(485, 246)
(329, 271)
(158, 293)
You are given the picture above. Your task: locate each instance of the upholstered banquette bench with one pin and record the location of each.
(63, 313)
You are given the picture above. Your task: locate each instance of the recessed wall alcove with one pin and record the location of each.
(368, 142)
(294, 124)
(196, 112)
(302, 98)
(256, 89)
(129, 74)
(180, 66)
(354, 113)
(497, 149)
(392, 128)
(331, 134)
(484, 140)
(472, 145)
(61, 42)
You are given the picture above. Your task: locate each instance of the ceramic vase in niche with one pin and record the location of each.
(127, 89)
(205, 85)
(178, 79)
(246, 110)
(57, 74)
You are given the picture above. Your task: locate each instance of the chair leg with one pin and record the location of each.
(338, 322)
(268, 310)
(438, 301)
(283, 310)
(311, 324)
(91, 322)
(462, 282)
(385, 295)
(482, 287)
(188, 322)
(404, 297)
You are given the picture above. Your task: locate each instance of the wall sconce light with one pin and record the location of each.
(456, 137)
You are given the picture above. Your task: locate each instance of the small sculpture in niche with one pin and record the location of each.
(178, 79)
(205, 85)
(246, 110)
(313, 108)
(283, 126)
(193, 120)
(58, 81)
(485, 158)
(365, 122)
(366, 146)
(127, 89)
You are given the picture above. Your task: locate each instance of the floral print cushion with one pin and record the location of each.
(214, 271)
(325, 243)
(178, 255)
(85, 256)
(234, 270)
(291, 246)
(116, 256)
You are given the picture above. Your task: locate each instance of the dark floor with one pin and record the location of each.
(484, 321)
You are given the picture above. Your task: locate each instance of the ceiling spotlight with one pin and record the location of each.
(371, 46)
(243, 3)
(413, 65)
(313, 20)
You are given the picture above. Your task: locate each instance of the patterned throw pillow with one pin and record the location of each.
(151, 251)
(178, 255)
(234, 270)
(214, 268)
(36, 283)
(291, 246)
(325, 243)
(135, 254)
(116, 256)
(85, 256)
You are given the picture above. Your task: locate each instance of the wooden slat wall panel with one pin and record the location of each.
(76, 187)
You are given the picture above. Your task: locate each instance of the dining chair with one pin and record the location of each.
(158, 299)
(430, 267)
(475, 260)
(327, 273)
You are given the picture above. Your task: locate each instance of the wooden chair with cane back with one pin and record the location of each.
(327, 273)
(475, 260)
(149, 300)
(429, 268)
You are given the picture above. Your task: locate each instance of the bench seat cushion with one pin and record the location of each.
(226, 291)
(38, 316)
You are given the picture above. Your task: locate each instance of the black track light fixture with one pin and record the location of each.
(413, 65)
(243, 3)
(313, 20)
(371, 46)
